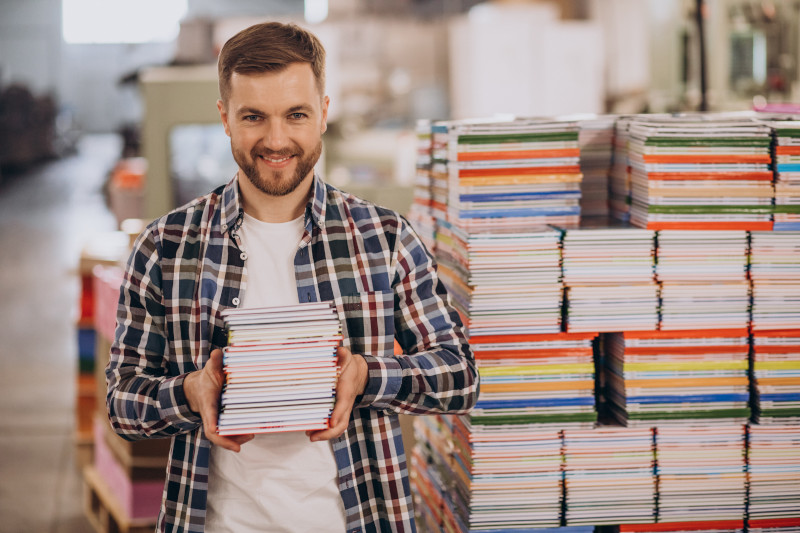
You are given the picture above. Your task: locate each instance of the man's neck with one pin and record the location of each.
(275, 209)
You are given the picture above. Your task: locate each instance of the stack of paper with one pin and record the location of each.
(787, 175)
(775, 274)
(776, 376)
(701, 473)
(477, 482)
(706, 526)
(700, 173)
(504, 282)
(280, 368)
(439, 172)
(533, 381)
(610, 282)
(513, 174)
(420, 214)
(703, 279)
(596, 141)
(609, 476)
(678, 378)
(774, 473)
(619, 184)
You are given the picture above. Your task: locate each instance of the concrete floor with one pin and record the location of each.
(45, 217)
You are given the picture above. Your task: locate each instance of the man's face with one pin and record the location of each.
(275, 121)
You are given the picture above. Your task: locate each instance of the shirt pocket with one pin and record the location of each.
(367, 322)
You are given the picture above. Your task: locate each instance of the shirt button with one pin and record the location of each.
(235, 301)
(243, 256)
(224, 227)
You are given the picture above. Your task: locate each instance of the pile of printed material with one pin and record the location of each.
(701, 473)
(501, 465)
(619, 179)
(609, 476)
(512, 174)
(775, 275)
(787, 175)
(609, 275)
(699, 173)
(776, 376)
(280, 368)
(420, 214)
(678, 378)
(703, 277)
(774, 468)
(531, 387)
(504, 282)
(596, 141)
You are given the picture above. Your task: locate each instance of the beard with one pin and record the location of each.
(279, 184)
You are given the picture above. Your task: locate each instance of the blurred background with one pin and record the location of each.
(107, 114)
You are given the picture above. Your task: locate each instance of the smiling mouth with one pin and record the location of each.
(275, 160)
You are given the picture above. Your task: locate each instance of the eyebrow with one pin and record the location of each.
(305, 108)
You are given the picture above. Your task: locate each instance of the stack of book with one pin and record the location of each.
(596, 141)
(787, 175)
(703, 277)
(619, 180)
(609, 276)
(775, 275)
(280, 368)
(439, 171)
(503, 282)
(609, 477)
(701, 473)
(513, 174)
(531, 382)
(700, 173)
(678, 378)
(420, 214)
(774, 470)
(776, 376)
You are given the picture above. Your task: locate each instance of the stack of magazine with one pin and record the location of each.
(280, 368)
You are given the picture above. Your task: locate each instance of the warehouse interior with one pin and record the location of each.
(108, 120)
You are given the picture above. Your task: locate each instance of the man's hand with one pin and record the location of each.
(202, 389)
(352, 382)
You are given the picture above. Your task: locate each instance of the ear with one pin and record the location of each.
(324, 126)
(223, 115)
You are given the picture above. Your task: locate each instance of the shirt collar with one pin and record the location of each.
(231, 209)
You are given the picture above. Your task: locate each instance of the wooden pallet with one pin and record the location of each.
(103, 511)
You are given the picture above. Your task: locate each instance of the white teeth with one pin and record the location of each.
(275, 160)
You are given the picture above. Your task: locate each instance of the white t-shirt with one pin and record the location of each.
(282, 481)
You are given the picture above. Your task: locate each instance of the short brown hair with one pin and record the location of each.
(269, 47)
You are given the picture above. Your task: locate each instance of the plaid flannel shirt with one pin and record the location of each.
(187, 267)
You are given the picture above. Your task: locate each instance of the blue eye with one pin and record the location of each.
(297, 116)
(250, 118)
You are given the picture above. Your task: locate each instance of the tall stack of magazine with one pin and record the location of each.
(420, 215)
(280, 368)
(775, 276)
(774, 470)
(703, 278)
(517, 174)
(609, 476)
(776, 376)
(700, 173)
(680, 378)
(609, 276)
(619, 179)
(787, 175)
(701, 473)
(596, 141)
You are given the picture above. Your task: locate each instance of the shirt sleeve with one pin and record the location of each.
(436, 372)
(143, 399)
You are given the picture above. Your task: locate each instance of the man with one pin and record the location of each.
(277, 234)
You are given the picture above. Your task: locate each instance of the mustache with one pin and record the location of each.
(273, 154)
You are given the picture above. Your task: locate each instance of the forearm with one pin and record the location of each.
(143, 405)
(438, 380)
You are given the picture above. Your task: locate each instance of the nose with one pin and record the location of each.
(275, 136)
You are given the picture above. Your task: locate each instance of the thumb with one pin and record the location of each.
(214, 363)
